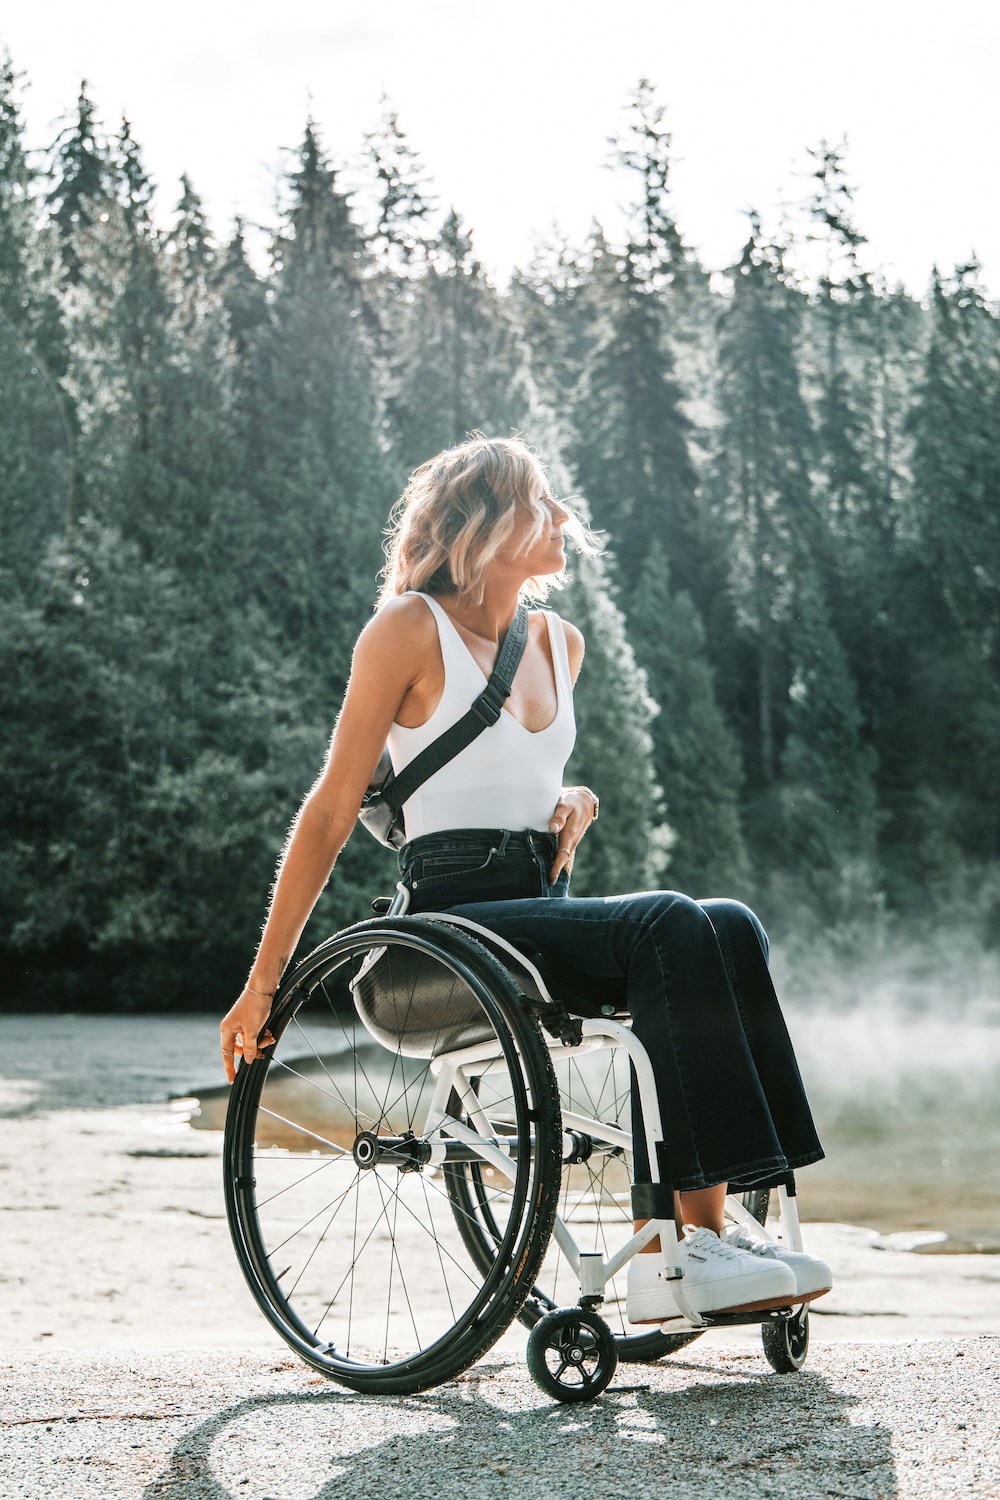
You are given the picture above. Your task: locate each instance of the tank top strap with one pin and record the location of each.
(560, 657)
(458, 659)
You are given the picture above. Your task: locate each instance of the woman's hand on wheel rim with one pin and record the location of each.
(242, 1031)
(576, 809)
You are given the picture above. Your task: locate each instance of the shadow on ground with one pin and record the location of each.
(492, 1433)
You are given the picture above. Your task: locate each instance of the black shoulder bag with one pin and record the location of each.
(382, 806)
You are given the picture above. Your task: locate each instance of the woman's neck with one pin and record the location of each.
(490, 617)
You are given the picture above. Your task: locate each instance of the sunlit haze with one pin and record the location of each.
(510, 107)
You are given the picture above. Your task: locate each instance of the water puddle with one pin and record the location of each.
(905, 1105)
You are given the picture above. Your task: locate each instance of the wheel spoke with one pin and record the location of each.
(320, 1211)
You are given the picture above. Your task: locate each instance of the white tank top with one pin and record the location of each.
(508, 777)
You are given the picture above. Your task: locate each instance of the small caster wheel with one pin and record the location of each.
(786, 1341)
(572, 1354)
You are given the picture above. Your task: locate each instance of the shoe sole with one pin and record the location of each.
(783, 1305)
(767, 1304)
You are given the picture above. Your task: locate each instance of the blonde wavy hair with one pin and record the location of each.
(457, 512)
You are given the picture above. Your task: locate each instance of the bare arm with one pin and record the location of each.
(390, 656)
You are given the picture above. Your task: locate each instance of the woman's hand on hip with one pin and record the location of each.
(241, 1030)
(576, 809)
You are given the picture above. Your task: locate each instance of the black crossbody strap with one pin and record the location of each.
(484, 712)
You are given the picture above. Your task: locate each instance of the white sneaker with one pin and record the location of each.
(813, 1276)
(718, 1278)
(649, 1298)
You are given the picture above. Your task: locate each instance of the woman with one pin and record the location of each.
(476, 530)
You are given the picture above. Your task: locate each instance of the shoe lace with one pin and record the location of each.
(706, 1242)
(736, 1236)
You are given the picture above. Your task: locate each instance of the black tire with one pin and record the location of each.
(786, 1341)
(342, 1226)
(572, 1354)
(595, 1203)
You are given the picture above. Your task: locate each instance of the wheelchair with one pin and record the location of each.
(434, 1147)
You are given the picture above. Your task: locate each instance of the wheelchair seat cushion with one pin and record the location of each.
(412, 1000)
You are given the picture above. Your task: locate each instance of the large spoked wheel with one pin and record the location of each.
(572, 1354)
(595, 1201)
(400, 1052)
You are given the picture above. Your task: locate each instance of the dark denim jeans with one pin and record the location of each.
(693, 975)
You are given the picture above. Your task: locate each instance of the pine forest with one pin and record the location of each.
(791, 691)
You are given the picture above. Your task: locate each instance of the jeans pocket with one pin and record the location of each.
(431, 870)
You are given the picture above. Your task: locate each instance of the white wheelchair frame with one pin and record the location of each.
(591, 1268)
(328, 1210)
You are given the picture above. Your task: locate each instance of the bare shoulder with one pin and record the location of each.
(403, 630)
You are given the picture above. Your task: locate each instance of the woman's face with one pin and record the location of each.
(545, 552)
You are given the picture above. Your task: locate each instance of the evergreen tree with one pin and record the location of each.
(244, 297)
(632, 449)
(843, 434)
(80, 170)
(458, 365)
(318, 487)
(192, 255)
(170, 672)
(628, 849)
(36, 431)
(246, 336)
(661, 261)
(201, 395)
(319, 239)
(696, 758)
(828, 795)
(855, 349)
(400, 238)
(132, 185)
(956, 466)
(763, 488)
(631, 434)
(556, 302)
(153, 758)
(945, 710)
(121, 350)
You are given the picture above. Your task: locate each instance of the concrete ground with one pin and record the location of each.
(136, 1364)
(909, 1420)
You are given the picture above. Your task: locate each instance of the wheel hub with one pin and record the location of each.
(404, 1152)
(366, 1150)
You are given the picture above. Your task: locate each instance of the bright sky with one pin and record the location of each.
(510, 105)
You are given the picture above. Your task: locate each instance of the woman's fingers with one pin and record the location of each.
(563, 861)
(560, 824)
(242, 1032)
(574, 812)
(559, 817)
(577, 804)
